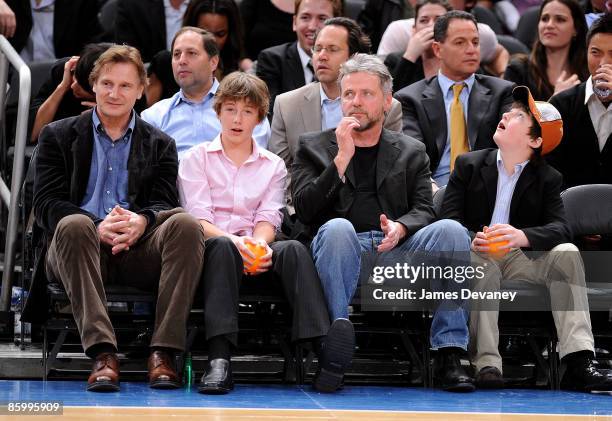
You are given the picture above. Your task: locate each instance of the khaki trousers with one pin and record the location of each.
(167, 260)
(561, 270)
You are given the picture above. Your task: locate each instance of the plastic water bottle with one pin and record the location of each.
(599, 90)
(18, 296)
(188, 371)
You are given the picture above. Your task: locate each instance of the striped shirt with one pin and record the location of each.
(505, 189)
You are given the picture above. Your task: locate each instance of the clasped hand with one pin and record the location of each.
(121, 229)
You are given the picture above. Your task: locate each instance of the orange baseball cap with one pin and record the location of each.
(547, 116)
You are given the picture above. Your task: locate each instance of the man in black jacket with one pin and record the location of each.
(364, 189)
(105, 197)
(289, 66)
(585, 153)
(510, 202)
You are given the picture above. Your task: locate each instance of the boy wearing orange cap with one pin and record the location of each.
(509, 200)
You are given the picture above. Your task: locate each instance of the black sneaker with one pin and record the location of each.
(335, 357)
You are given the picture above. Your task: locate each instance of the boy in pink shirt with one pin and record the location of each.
(236, 190)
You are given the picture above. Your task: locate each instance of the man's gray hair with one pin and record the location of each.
(368, 63)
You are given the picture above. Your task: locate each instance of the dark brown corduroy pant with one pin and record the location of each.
(168, 259)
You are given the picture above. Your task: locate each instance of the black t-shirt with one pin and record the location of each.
(366, 210)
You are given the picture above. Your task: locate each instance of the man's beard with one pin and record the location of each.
(368, 124)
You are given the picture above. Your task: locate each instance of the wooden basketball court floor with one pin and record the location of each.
(247, 402)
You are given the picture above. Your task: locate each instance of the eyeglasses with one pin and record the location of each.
(332, 49)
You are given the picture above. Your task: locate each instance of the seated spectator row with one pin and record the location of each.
(109, 183)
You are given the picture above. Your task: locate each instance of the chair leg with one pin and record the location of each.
(61, 338)
(44, 352)
(414, 356)
(289, 363)
(553, 357)
(298, 355)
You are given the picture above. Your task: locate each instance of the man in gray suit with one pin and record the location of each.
(479, 101)
(316, 106)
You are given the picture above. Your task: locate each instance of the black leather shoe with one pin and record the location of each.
(217, 379)
(449, 374)
(585, 377)
(335, 357)
(489, 378)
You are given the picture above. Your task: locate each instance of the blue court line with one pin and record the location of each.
(512, 401)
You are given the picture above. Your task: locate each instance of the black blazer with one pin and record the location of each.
(578, 157)
(75, 23)
(536, 205)
(281, 68)
(404, 71)
(424, 115)
(141, 24)
(64, 159)
(402, 181)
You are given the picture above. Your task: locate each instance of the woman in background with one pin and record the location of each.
(222, 19)
(558, 57)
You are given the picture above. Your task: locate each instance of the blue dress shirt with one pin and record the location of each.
(192, 123)
(505, 189)
(331, 111)
(108, 174)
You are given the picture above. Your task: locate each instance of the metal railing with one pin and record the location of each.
(11, 197)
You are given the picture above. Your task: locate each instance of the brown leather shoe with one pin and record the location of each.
(104, 375)
(162, 374)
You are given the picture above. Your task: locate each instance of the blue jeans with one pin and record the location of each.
(337, 252)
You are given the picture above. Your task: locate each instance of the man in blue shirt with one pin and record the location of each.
(105, 198)
(188, 116)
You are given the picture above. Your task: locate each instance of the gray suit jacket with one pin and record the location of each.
(299, 111)
(402, 182)
(424, 116)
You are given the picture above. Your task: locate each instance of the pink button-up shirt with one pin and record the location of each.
(232, 198)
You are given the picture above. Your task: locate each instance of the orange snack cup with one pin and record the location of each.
(258, 251)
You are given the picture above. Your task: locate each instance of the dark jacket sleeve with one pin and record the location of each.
(313, 191)
(555, 229)
(268, 68)
(516, 71)
(51, 184)
(23, 15)
(404, 71)
(557, 158)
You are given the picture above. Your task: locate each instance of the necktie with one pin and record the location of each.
(314, 75)
(458, 130)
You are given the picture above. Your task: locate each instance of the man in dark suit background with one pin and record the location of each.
(75, 23)
(148, 25)
(364, 189)
(288, 66)
(476, 101)
(510, 195)
(104, 199)
(585, 153)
